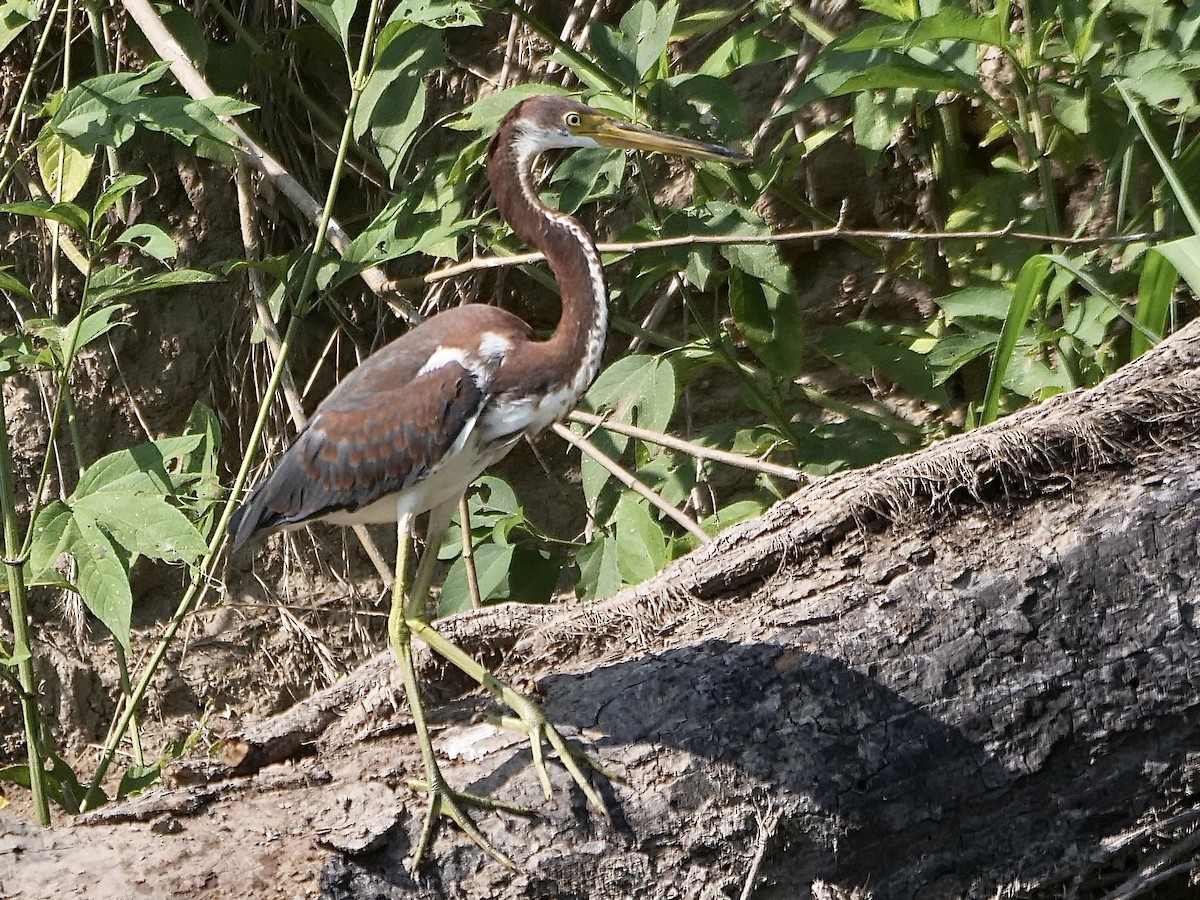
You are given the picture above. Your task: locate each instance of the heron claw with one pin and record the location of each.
(446, 801)
(532, 722)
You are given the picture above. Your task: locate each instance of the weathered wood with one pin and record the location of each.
(966, 672)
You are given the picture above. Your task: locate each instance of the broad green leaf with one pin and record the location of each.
(67, 213)
(143, 523)
(50, 538)
(141, 469)
(641, 544)
(871, 350)
(437, 14)
(63, 168)
(102, 581)
(976, 303)
(879, 117)
(13, 285)
(954, 351)
(588, 175)
(846, 73)
(1156, 288)
(112, 282)
(746, 47)
(768, 319)
(1184, 255)
(492, 564)
(629, 51)
(1029, 285)
(15, 16)
(334, 16)
(637, 390)
(599, 574)
(486, 112)
(113, 193)
(150, 239)
(68, 339)
(726, 516)
(94, 112)
(947, 24)
(393, 101)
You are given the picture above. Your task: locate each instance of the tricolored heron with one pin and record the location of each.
(409, 430)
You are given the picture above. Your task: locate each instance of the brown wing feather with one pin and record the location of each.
(386, 426)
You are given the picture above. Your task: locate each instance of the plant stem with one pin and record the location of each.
(22, 647)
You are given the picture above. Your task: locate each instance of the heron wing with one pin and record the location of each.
(363, 445)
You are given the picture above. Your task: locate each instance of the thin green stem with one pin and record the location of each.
(135, 737)
(19, 109)
(22, 645)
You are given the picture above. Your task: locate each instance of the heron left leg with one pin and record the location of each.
(409, 606)
(531, 719)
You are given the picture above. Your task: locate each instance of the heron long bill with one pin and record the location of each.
(611, 132)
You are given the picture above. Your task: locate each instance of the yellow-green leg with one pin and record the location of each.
(443, 800)
(530, 718)
(408, 616)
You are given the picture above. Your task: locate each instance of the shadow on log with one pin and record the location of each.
(969, 672)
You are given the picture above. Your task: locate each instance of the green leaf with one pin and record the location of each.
(63, 168)
(768, 319)
(13, 285)
(1029, 285)
(141, 469)
(1156, 288)
(976, 303)
(947, 24)
(15, 17)
(50, 538)
(870, 350)
(599, 573)
(437, 14)
(149, 239)
(102, 581)
(143, 523)
(334, 16)
(492, 564)
(66, 213)
(113, 193)
(68, 339)
(636, 390)
(485, 113)
(746, 47)
(94, 113)
(630, 51)
(1184, 255)
(393, 100)
(112, 282)
(641, 544)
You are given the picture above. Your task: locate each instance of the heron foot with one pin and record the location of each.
(446, 801)
(531, 720)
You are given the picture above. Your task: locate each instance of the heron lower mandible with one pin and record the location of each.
(410, 429)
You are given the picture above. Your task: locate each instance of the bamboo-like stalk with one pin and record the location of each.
(689, 447)
(626, 478)
(22, 645)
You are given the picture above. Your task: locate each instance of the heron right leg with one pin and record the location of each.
(406, 600)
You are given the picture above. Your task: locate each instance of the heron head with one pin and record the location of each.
(548, 121)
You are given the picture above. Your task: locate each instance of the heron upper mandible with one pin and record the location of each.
(409, 430)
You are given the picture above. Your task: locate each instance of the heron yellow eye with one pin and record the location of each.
(573, 120)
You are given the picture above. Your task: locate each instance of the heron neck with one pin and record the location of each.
(575, 348)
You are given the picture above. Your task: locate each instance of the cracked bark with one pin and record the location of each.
(967, 671)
